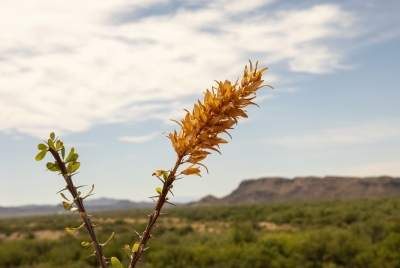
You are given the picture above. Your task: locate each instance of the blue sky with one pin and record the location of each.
(106, 76)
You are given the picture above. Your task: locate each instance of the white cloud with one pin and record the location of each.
(358, 134)
(138, 139)
(65, 67)
(237, 6)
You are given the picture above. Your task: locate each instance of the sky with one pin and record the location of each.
(107, 77)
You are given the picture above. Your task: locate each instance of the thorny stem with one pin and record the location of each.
(146, 235)
(82, 212)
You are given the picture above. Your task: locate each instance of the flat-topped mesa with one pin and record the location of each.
(306, 188)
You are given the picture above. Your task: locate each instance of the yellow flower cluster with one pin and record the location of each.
(220, 110)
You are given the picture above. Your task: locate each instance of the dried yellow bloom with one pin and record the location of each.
(191, 171)
(219, 111)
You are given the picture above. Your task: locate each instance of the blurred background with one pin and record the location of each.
(106, 76)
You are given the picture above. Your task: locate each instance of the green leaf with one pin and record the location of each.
(58, 144)
(171, 186)
(158, 190)
(41, 155)
(85, 244)
(116, 263)
(70, 230)
(165, 176)
(70, 154)
(62, 194)
(75, 166)
(135, 247)
(68, 206)
(52, 167)
(90, 191)
(51, 143)
(42, 146)
(63, 152)
(105, 243)
(52, 136)
(73, 158)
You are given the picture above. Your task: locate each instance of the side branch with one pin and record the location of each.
(82, 212)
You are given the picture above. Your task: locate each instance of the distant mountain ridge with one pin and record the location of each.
(249, 191)
(99, 204)
(305, 188)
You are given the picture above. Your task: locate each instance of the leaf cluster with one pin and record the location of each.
(57, 145)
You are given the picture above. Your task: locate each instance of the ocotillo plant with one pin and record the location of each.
(199, 134)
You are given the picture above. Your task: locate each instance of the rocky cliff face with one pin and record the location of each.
(306, 188)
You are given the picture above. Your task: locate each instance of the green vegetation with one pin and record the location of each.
(337, 233)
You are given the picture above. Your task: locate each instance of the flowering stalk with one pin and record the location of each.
(220, 110)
